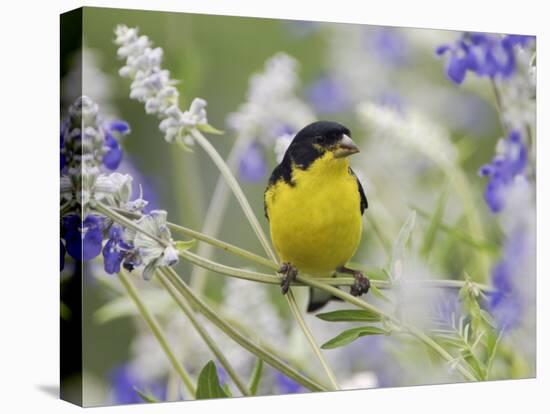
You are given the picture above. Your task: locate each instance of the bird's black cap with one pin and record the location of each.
(321, 132)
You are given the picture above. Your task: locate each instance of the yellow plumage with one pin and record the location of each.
(316, 223)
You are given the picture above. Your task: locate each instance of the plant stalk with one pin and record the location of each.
(162, 278)
(156, 330)
(211, 315)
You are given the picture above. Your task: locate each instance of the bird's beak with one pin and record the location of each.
(345, 147)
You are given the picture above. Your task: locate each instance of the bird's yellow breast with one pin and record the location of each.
(316, 223)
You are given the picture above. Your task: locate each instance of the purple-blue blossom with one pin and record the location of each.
(82, 238)
(327, 95)
(115, 250)
(505, 302)
(253, 166)
(509, 163)
(124, 384)
(113, 154)
(286, 385)
(488, 55)
(390, 46)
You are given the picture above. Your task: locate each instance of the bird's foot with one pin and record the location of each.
(289, 273)
(361, 284)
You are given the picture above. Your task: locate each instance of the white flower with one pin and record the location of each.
(411, 130)
(282, 143)
(152, 253)
(271, 102)
(361, 380)
(153, 86)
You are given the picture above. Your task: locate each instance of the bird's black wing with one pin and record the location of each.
(364, 203)
(283, 171)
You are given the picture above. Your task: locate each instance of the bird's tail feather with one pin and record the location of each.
(319, 298)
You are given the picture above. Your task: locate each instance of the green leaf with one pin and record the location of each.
(227, 390)
(429, 237)
(208, 385)
(209, 129)
(351, 335)
(398, 251)
(256, 376)
(469, 294)
(182, 145)
(145, 396)
(492, 345)
(350, 315)
(182, 245)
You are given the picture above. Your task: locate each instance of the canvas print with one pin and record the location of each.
(254, 207)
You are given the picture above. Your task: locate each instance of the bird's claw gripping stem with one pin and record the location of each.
(289, 273)
(361, 284)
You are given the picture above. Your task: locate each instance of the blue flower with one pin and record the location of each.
(509, 163)
(119, 126)
(115, 250)
(287, 385)
(252, 166)
(327, 95)
(505, 302)
(113, 154)
(484, 54)
(390, 46)
(461, 59)
(521, 40)
(83, 238)
(124, 384)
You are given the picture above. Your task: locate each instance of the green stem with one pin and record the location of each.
(162, 278)
(440, 350)
(250, 275)
(247, 209)
(268, 278)
(235, 321)
(309, 336)
(156, 330)
(211, 315)
(230, 248)
(215, 214)
(236, 189)
(414, 331)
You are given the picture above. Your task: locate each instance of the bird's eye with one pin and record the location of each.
(319, 140)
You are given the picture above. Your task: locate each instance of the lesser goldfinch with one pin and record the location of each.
(314, 203)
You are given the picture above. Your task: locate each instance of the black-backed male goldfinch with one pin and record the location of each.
(314, 203)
